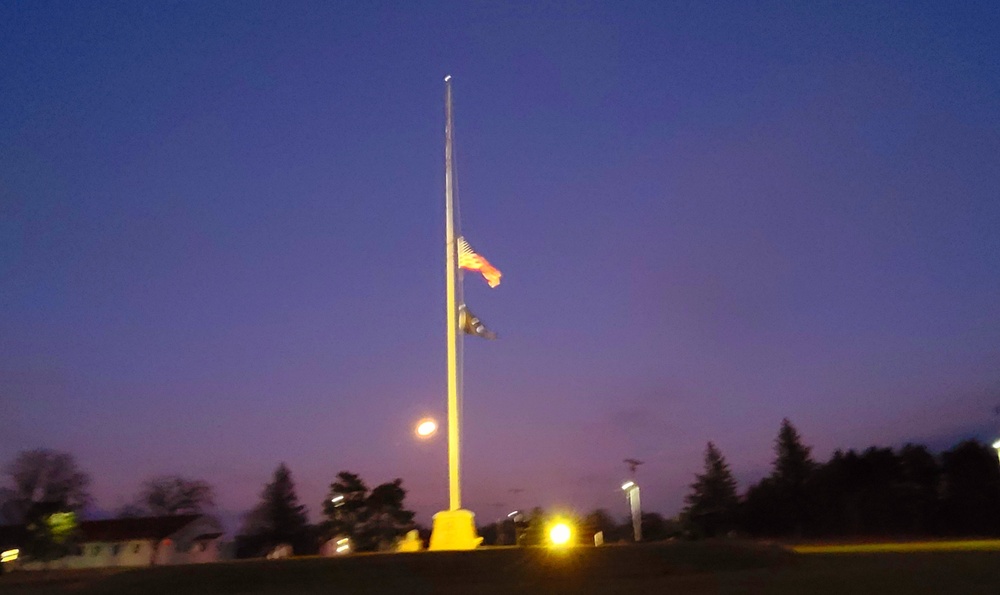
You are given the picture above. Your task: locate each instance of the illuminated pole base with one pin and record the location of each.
(454, 530)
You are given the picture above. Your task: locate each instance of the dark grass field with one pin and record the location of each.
(677, 568)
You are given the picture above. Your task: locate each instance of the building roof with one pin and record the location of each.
(158, 527)
(204, 536)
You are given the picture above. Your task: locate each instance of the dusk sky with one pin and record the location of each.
(222, 231)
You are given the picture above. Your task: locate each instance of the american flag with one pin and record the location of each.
(468, 259)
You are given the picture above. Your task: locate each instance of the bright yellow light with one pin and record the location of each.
(344, 545)
(560, 533)
(996, 445)
(627, 485)
(426, 428)
(9, 555)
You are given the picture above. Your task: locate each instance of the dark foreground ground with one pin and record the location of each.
(677, 568)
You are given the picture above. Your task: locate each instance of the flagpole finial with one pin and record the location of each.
(447, 78)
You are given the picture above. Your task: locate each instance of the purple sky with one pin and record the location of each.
(221, 231)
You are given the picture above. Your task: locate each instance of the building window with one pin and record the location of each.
(95, 550)
(136, 548)
(115, 549)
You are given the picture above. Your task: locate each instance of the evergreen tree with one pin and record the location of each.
(782, 503)
(760, 512)
(971, 489)
(837, 491)
(279, 518)
(711, 505)
(876, 492)
(372, 520)
(793, 471)
(792, 465)
(387, 519)
(882, 503)
(921, 477)
(345, 507)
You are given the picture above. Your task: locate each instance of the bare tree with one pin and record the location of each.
(43, 479)
(170, 495)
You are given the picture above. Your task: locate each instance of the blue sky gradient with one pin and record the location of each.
(221, 232)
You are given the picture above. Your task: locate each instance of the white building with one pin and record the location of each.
(146, 541)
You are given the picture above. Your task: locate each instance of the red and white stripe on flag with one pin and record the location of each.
(469, 260)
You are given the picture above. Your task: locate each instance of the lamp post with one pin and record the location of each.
(632, 490)
(425, 428)
(516, 518)
(632, 493)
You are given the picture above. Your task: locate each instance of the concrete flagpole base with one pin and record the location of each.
(454, 530)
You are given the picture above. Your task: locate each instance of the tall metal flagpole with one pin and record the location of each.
(454, 486)
(455, 528)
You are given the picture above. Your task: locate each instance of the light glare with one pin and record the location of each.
(344, 545)
(559, 534)
(426, 428)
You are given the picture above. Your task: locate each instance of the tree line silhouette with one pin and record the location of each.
(877, 492)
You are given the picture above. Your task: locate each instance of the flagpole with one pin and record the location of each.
(455, 528)
(454, 486)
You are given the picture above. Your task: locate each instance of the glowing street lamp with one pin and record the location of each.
(996, 445)
(426, 428)
(560, 534)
